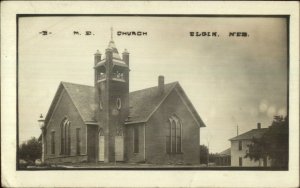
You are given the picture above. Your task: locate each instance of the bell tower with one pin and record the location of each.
(112, 97)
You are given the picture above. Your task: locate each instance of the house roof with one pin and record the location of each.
(256, 133)
(226, 152)
(142, 103)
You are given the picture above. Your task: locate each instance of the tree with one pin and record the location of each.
(30, 150)
(213, 157)
(203, 154)
(273, 144)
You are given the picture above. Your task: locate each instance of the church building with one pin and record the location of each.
(106, 123)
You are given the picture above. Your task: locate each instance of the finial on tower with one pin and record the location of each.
(111, 33)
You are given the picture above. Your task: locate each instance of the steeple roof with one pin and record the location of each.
(116, 57)
(112, 45)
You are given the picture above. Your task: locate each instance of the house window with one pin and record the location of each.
(174, 136)
(65, 142)
(240, 161)
(240, 145)
(136, 139)
(78, 141)
(52, 142)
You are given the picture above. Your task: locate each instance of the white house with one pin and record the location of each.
(239, 148)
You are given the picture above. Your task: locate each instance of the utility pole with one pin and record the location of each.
(208, 142)
(237, 125)
(208, 153)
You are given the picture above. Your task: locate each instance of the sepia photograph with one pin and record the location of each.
(149, 94)
(162, 92)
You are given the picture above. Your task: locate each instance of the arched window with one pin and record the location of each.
(174, 136)
(53, 142)
(178, 136)
(62, 137)
(65, 142)
(68, 151)
(78, 141)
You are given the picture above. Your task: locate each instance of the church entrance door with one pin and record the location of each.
(101, 147)
(119, 148)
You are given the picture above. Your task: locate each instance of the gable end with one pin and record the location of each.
(189, 105)
(61, 91)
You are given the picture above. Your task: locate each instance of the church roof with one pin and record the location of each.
(142, 103)
(83, 98)
(256, 133)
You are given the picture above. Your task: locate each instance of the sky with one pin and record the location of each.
(231, 81)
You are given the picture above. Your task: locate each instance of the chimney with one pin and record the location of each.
(258, 126)
(161, 84)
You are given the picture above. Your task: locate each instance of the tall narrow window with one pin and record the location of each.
(69, 139)
(78, 141)
(53, 142)
(62, 137)
(174, 136)
(65, 140)
(240, 145)
(136, 139)
(178, 136)
(168, 140)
